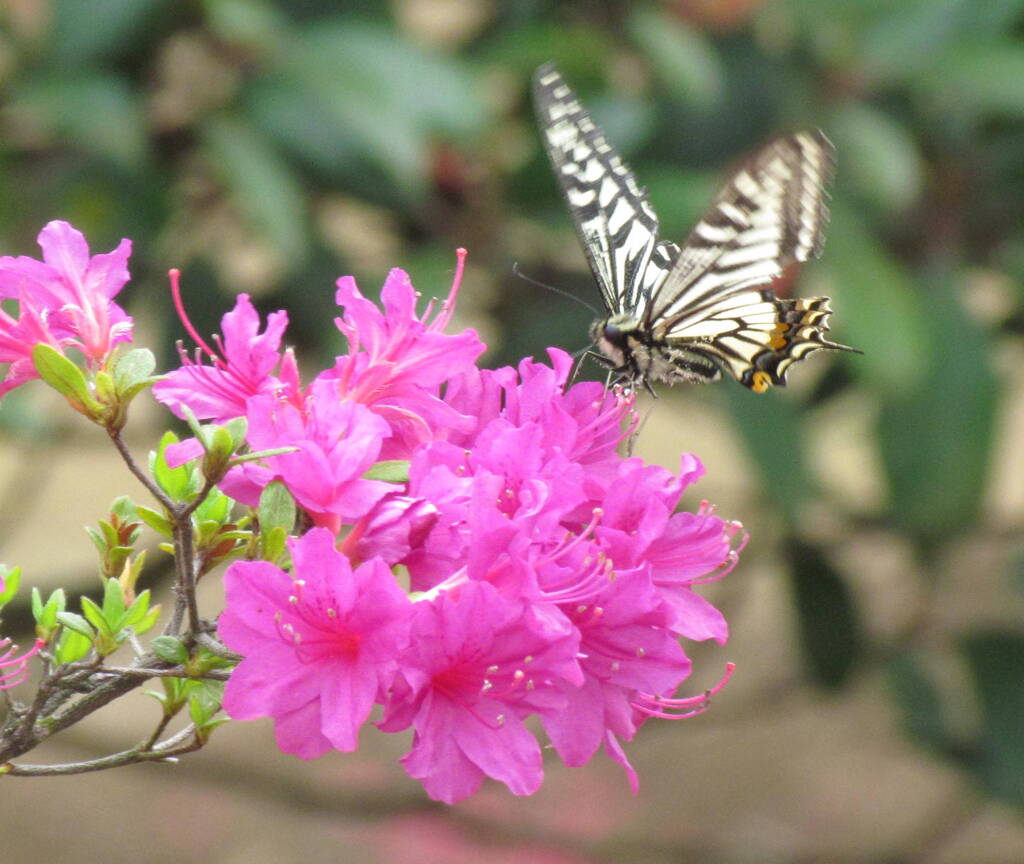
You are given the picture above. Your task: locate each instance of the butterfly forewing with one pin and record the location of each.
(770, 214)
(616, 225)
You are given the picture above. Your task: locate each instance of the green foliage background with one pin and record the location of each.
(272, 146)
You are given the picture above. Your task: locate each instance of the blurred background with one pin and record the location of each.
(877, 712)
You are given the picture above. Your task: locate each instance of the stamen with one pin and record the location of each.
(174, 276)
(732, 529)
(691, 706)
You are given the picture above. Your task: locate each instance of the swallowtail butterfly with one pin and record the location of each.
(687, 314)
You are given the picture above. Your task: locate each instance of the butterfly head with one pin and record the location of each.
(616, 338)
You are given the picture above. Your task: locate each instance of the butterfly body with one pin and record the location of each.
(692, 312)
(637, 354)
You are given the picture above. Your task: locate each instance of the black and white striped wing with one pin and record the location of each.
(770, 214)
(616, 225)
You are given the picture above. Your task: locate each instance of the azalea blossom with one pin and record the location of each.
(337, 443)
(543, 574)
(397, 360)
(65, 301)
(320, 646)
(476, 666)
(219, 391)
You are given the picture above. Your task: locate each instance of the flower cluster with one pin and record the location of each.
(64, 301)
(543, 574)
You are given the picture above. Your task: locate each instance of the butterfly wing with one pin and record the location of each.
(770, 214)
(615, 223)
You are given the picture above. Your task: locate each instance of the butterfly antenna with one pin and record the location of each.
(580, 300)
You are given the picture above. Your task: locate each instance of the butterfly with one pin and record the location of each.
(691, 313)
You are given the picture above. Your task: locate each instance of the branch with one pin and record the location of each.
(173, 672)
(164, 751)
(140, 475)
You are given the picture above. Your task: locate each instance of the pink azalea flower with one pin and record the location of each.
(397, 361)
(554, 577)
(241, 369)
(320, 648)
(627, 647)
(640, 528)
(537, 503)
(65, 300)
(395, 526)
(477, 665)
(17, 665)
(337, 443)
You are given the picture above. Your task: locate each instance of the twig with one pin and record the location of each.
(164, 751)
(140, 475)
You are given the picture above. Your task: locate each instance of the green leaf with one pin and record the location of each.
(936, 441)
(918, 699)
(170, 650)
(996, 661)
(216, 507)
(46, 614)
(63, 376)
(390, 471)
(157, 521)
(263, 454)
(277, 508)
(113, 603)
(133, 371)
(124, 508)
(273, 543)
(10, 580)
(95, 616)
(103, 387)
(255, 25)
(72, 646)
(108, 536)
(773, 434)
(137, 611)
(879, 309)
(146, 623)
(176, 691)
(261, 183)
(979, 78)
(76, 38)
(902, 39)
(176, 482)
(91, 111)
(77, 623)
(203, 704)
(827, 618)
(98, 540)
(686, 61)
(237, 428)
(222, 444)
(37, 605)
(880, 162)
(348, 88)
